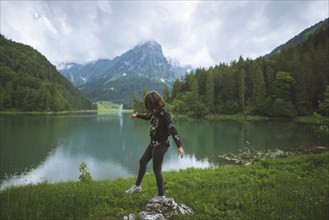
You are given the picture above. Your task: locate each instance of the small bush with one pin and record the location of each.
(85, 176)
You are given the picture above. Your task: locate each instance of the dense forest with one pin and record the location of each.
(28, 82)
(293, 82)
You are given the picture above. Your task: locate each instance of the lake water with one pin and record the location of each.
(51, 147)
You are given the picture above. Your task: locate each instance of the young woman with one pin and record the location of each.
(161, 128)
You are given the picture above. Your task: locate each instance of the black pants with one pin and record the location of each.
(157, 153)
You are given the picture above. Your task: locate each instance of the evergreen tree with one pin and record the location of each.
(242, 87)
(201, 77)
(9, 97)
(269, 77)
(227, 87)
(177, 89)
(210, 92)
(258, 91)
(138, 103)
(2, 97)
(145, 91)
(166, 95)
(324, 104)
(304, 86)
(284, 86)
(192, 85)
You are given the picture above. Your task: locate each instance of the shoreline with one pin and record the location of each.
(308, 119)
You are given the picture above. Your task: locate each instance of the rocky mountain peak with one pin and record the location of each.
(150, 44)
(149, 48)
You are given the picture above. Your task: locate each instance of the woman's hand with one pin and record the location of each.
(132, 116)
(181, 152)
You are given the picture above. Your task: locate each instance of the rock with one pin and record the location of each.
(163, 211)
(151, 216)
(248, 164)
(249, 155)
(129, 217)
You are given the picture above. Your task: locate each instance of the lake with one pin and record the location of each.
(36, 148)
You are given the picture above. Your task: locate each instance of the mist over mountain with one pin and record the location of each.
(144, 66)
(178, 69)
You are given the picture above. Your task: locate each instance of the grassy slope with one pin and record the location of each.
(288, 188)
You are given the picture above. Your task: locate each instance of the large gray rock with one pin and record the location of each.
(163, 211)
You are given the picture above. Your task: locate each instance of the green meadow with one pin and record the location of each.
(295, 187)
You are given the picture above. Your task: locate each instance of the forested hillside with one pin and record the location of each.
(28, 82)
(300, 38)
(292, 82)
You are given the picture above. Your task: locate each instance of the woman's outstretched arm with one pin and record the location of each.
(141, 116)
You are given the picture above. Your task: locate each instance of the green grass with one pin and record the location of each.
(313, 119)
(288, 188)
(107, 106)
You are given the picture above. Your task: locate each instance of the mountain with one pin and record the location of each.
(29, 82)
(143, 66)
(300, 38)
(116, 80)
(79, 74)
(178, 69)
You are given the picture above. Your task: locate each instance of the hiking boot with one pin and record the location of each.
(159, 199)
(134, 189)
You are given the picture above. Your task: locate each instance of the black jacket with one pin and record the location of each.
(161, 126)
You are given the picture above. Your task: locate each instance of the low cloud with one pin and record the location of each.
(198, 33)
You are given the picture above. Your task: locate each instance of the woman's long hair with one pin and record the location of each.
(153, 102)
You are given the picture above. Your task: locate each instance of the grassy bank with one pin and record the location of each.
(308, 119)
(288, 188)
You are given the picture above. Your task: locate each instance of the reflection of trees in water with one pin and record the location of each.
(209, 138)
(275, 133)
(27, 140)
(206, 138)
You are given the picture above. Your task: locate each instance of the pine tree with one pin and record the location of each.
(304, 86)
(259, 90)
(242, 87)
(177, 89)
(145, 91)
(201, 76)
(324, 104)
(210, 92)
(192, 85)
(284, 86)
(166, 95)
(2, 96)
(138, 104)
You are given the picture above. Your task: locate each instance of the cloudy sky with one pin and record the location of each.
(201, 33)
